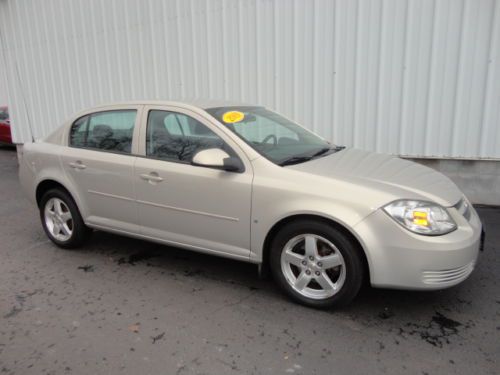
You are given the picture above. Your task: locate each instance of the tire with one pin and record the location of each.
(58, 210)
(335, 275)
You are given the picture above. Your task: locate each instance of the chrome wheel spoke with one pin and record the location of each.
(294, 258)
(56, 229)
(57, 207)
(65, 229)
(302, 281)
(65, 216)
(311, 246)
(324, 281)
(331, 261)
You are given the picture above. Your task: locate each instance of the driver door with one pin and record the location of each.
(200, 208)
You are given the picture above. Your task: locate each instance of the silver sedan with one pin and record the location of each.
(244, 182)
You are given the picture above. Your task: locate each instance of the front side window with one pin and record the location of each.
(278, 139)
(177, 137)
(109, 131)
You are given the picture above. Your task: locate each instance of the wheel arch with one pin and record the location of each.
(48, 184)
(266, 250)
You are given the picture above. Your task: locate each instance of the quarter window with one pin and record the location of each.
(178, 137)
(78, 134)
(110, 131)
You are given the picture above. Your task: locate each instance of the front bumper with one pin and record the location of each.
(399, 258)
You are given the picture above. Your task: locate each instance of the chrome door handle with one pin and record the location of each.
(152, 177)
(77, 165)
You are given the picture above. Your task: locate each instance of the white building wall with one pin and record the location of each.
(410, 77)
(3, 86)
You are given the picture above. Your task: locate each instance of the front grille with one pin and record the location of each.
(463, 207)
(446, 276)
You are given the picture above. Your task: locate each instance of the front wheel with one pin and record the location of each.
(61, 219)
(316, 264)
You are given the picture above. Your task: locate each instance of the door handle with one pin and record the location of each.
(77, 165)
(152, 177)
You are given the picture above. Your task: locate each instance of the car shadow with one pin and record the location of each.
(134, 252)
(7, 148)
(381, 303)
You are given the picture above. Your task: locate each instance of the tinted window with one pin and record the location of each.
(110, 131)
(178, 137)
(270, 134)
(78, 133)
(261, 127)
(173, 124)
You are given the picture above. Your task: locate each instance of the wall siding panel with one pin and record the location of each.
(418, 78)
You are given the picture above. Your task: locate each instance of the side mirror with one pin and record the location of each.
(217, 159)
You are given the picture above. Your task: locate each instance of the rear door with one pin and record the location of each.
(205, 209)
(100, 163)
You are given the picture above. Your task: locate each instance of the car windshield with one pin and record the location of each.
(273, 136)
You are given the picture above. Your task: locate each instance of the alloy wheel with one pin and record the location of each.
(313, 266)
(58, 219)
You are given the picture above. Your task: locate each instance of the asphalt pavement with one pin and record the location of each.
(124, 306)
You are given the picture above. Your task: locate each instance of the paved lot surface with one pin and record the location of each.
(122, 306)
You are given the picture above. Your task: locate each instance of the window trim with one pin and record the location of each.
(86, 130)
(89, 116)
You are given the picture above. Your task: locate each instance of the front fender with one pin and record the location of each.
(266, 214)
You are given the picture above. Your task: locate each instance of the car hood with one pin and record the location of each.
(402, 178)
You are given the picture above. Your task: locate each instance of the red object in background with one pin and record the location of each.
(5, 136)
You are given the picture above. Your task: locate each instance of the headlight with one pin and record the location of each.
(421, 217)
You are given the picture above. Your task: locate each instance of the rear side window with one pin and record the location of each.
(108, 131)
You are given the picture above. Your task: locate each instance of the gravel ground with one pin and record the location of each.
(124, 306)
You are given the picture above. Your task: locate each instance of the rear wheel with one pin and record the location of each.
(61, 219)
(316, 264)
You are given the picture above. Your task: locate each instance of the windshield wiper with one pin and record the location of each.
(321, 151)
(327, 149)
(295, 160)
(303, 158)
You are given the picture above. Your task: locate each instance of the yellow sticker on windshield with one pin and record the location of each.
(232, 117)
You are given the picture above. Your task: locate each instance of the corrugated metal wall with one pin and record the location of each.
(410, 77)
(3, 86)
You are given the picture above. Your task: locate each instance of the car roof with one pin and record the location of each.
(199, 103)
